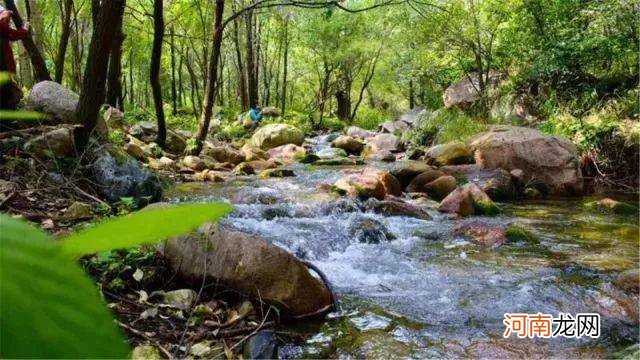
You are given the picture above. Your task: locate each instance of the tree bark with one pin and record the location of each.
(64, 39)
(210, 92)
(174, 91)
(114, 75)
(252, 79)
(95, 75)
(37, 61)
(156, 57)
(285, 67)
(242, 78)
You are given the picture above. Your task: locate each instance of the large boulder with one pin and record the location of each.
(59, 142)
(382, 142)
(124, 177)
(54, 99)
(453, 153)
(419, 183)
(405, 172)
(368, 183)
(468, 200)
(175, 143)
(497, 183)
(224, 153)
(467, 91)
(441, 187)
(348, 144)
(549, 161)
(287, 153)
(274, 135)
(252, 153)
(251, 266)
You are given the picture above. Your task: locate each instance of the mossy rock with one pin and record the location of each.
(612, 206)
(517, 234)
(307, 158)
(276, 173)
(487, 207)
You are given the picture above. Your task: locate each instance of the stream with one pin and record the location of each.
(422, 292)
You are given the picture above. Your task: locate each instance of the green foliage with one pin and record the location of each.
(488, 208)
(149, 225)
(22, 115)
(517, 234)
(369, 118)
(50, 309)
(443, 126)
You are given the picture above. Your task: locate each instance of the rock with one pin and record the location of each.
(532, 193)
(419, 183)
(274, 135)
(357, 185)
(517, 176)
(54, 99)
(331, 153)
(308, 158)
(338, 162)
(201, 349)
(244, 169)
(497, 183)
(453, 153)
(124, 177)
(270, 111)
(137, 151)
(407, 171)
(208, 175)
(414, 153)
(396, 127)
(265, 196)
(262, 345)
(468, 200)
(252, 153)
(224, 153)
(629, 281)
(164, 163)
(79, 211)
(481, 232)
(348, 144)
(181, 299)
(59, 142)
(369, 231)
(466, 91)
(441, 187)
(154, 150)
(359, 133)
(250, 266)
(382, 155)
(287, 153)
(381, 142)
(396, 207)
(145, 131)
(114, 118)
(276, 173)
(546, 160)
(612, 206)
(146, 352)
(175, 143)
(193, 162)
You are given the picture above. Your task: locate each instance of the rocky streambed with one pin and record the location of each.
(414, 287)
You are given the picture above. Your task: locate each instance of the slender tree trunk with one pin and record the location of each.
(132, 97)
(174, 91)
(285, 67)
(242, 78)
(180, 85)
(37, 61)
(412, 97)
(210, 92)
(156, 57)
(95, 75)
(114, 75)
(64, 38)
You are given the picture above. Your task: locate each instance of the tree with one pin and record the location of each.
(114, 75)
(66, 9)
(156, 57)
(95, 74)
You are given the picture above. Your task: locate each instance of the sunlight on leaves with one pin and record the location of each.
(22, 115)
(143, 227)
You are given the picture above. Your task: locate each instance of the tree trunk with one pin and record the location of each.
(37, 61)
(242, 78)
(64, 39)
(210, 92)
(285, 67)
(95, 75)
(156, 57)
(412, 98)
(114, 75)
(343, 97)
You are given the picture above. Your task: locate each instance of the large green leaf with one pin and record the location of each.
(143, 227)
(48, 307)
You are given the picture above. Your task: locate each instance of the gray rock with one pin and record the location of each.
(124, 177)
(263, 345)
(54, 99)
(369, 230)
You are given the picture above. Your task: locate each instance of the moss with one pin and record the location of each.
(612, 206)
(488, 208)
(516, 234)
(461, 180)
(306, 158)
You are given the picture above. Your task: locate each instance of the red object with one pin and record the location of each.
(9, 34)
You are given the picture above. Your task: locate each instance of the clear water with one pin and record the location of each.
(428, 293)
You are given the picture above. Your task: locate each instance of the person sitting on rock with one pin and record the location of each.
(251, 120)
(10, 93)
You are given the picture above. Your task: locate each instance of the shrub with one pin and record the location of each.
(443, 126)
(369, 119)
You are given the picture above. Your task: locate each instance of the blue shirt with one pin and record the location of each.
(255, 115)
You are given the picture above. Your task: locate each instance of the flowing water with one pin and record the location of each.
(422, 292)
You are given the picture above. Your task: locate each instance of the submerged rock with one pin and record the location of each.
(251, 266)
(612, 206)
(370, 231)
(549, 161)
(124, 177)
(274, 135)
(482, 233)
(396, 207)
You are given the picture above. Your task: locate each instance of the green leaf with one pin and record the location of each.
(22, 115)
(49, 307)
(143, 227)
